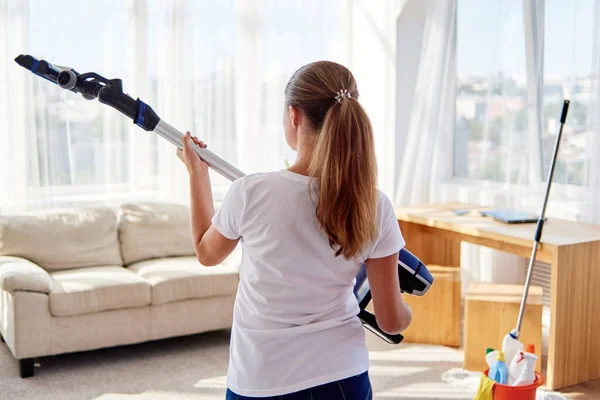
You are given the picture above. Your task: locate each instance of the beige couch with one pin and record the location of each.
(86, 279)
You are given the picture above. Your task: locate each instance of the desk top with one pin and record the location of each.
(556, 232)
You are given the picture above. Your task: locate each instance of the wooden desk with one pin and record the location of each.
(434, 234)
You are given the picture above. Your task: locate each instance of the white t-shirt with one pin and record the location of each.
(295, 321)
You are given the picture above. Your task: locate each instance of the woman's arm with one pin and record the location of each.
(201, 203)
(211, 247)
(393, 315)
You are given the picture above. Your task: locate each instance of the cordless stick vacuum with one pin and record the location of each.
(414, 277)
(514, 334)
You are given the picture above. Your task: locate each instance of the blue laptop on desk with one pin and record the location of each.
(510, 216)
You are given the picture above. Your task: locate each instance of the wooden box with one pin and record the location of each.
(437, 315)
(491, 311)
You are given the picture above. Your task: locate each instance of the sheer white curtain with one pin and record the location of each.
(275, 38)
(373, 56)
(554, 57)
(538, 54)
(426, 161)
(59, 149)
(427, 120)
(216, 68)
(16, 102)
(592, 211)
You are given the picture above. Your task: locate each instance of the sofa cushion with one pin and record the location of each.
(60, 240)
(94, 289)
(154, 230)
(181, 278)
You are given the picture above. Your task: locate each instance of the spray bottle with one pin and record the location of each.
(518, 364)
(527, 375)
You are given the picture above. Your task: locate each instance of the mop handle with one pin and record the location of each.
(540, 224)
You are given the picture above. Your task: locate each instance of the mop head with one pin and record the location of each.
(461, 378)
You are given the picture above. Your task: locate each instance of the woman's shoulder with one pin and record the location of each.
(385, 207)
(247, 182)
(259, 176)
(384, 200)
(253, 179)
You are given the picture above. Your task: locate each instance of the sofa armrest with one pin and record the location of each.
(17, 273)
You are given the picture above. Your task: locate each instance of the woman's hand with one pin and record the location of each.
(192, 161)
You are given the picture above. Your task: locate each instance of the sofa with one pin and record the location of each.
(84, 279)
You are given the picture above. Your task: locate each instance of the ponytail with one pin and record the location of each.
(344, 164)
(343, 160)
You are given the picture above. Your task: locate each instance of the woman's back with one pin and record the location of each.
(304, 233)
(295, 322)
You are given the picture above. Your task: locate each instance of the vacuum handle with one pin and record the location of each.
(368, 320)
(144, 116)
(110, 92)
(215, 162)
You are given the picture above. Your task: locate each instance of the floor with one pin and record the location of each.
(586, 391)
(194, 368)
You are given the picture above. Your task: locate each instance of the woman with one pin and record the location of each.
(305, 232)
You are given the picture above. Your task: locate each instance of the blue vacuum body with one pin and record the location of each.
(415, 279)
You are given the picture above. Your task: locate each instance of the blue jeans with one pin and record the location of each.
(355, 388)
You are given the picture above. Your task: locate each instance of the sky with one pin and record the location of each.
(490, 37)
(489, 33)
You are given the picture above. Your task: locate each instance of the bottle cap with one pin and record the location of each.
(488, 350)
(530, 348)
(500, 356)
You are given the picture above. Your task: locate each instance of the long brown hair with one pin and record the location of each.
(343, 160)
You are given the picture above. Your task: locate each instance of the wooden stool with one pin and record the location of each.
(436, 316)
(491, 311)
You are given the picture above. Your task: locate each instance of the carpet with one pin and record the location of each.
(194, 368)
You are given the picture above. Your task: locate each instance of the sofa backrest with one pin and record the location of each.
(58, 240)
(154, 230)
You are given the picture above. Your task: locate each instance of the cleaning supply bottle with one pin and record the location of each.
(499, 372)
(530, 348)
(515, 368)
(490, 356)
(517, 364)
(511, 345)
(527, 375)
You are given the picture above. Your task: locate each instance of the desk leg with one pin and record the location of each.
(574, 348)
(432, 246)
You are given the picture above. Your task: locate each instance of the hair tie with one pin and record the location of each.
(343, 94)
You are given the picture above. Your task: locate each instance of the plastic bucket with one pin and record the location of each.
(505, 392)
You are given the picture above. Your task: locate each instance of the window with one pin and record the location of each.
(191, 60)
(491, 102)
(72, 141)
(568, 73)
(293, 35)
(217, 68)
(494, 139)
